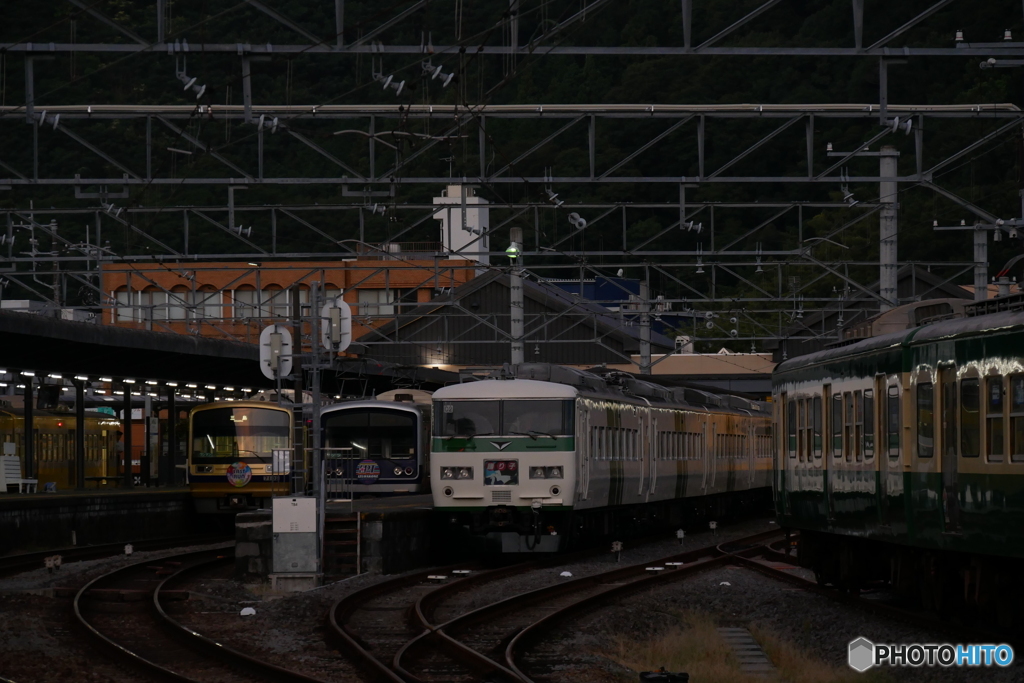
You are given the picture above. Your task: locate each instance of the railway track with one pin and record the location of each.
(139, 630)
(15, 564)
(397, 640)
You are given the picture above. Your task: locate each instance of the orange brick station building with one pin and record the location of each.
(235, 300)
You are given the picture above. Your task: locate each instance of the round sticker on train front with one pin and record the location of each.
(368, 471)
(239, 474)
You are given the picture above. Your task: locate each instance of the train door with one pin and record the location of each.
(584, 449)
(751, 452)
(882, 462)
(650, 446)
(950, 442)
(705, 455)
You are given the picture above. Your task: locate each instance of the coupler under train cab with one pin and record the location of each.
(510, 529)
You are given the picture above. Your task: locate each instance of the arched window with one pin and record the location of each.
(245, 303)
(207, 303)
(177, 302)
(152, 304)
(124, 312)
(274, 302)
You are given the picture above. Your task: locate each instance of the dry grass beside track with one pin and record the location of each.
(696, 647)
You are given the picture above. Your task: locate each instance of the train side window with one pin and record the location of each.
(925, 420)
(848, 426)
(869, 424)
(837, 426)
(892, 420)
(995, 447)
(791, 427)
(1017, 418)
(970, 427)
(801, 427)
(858, 425)
(816, 411)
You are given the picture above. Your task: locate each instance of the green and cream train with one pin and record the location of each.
(552, 455)
(901, 459)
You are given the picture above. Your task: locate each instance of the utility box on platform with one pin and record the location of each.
(294, 540)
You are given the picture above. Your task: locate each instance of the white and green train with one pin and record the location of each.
(555, 455)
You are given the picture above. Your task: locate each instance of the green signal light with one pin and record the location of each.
(513, 251)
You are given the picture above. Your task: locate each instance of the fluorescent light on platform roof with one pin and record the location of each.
(172, 384)
(229, 388)
(128, 381)
(106, 379)
(247, 390)
(3, 384)
(192, 386)
(118, 393)
(99, 391)
(82, 378)
(153, 395)
(55, 375)
(28, 373)
(21, 386)
(152, 382)
(211, 387)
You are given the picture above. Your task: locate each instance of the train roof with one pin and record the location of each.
(543, 380)
(506, 388)
(944, 329)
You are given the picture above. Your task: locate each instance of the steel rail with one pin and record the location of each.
(352, 642)
(28, 561)
(219, 650)
(116, 647)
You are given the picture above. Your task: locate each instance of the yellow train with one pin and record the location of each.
(54, 445)
(240, 455)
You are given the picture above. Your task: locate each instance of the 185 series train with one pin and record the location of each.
(557, 455)
(901, 458)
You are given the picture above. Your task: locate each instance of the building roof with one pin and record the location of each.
(478, 321)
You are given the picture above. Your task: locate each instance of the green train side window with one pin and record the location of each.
(893, 421)
(995, 446)
(970, 426)
(1016, 418)
(925, 420)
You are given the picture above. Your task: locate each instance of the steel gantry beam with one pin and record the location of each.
(687, 128)
(758, 262)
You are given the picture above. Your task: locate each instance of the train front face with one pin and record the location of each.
(231, 448)
(503, 462)
(374, 447)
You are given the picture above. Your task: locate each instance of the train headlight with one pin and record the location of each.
(447, 472)
(464, 473)
(545, 473)
(398, 471)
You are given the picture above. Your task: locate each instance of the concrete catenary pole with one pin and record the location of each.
(980, 264)
(645, 328)
(516, 311)
(887, 225)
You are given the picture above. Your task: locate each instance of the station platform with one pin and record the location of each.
(38, 521)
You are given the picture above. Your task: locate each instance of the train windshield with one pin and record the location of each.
(231, 434)
(370, 433)
(522, 417)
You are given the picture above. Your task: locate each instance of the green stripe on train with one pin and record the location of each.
(494, 444)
